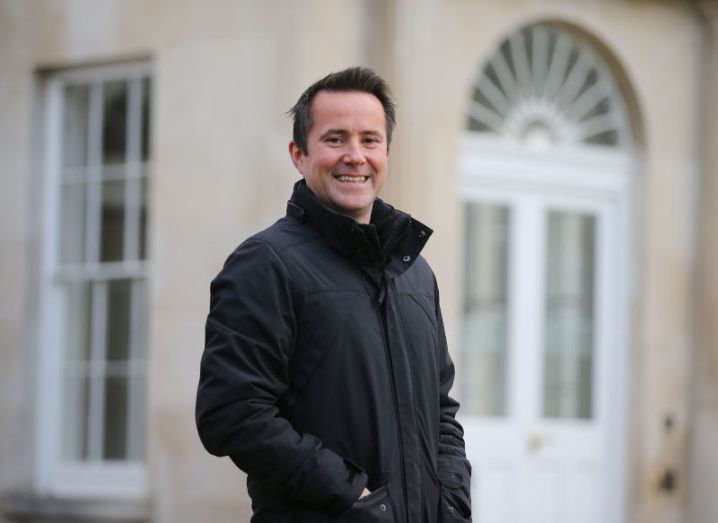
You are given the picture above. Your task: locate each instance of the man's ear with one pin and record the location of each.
(297, 156)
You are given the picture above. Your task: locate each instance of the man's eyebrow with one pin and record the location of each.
(373, 131)
(334, 131)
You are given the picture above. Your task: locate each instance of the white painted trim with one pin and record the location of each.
(130, 170)
(104, 73)
(102, 271)
(48, 402)
(102, 479)
(503, 164)
(618, 398)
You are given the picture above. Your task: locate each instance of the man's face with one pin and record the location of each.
(347, 152)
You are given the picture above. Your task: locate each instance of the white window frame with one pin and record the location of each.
(114, 479)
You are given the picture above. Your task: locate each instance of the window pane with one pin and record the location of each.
(143, 219)
(145, 138)
(484, 340)
(136, 451)
(136, 429)
(114, 124)
(118, 320)
(77, 322)
(72, 222)
(75, 415)
(569, 328)
(75, 127)
(113, 221)
(138, 320)
(115, 422)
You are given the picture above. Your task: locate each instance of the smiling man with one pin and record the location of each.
(343, 159)
(325, 375)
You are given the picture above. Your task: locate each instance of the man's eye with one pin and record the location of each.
(333, 140)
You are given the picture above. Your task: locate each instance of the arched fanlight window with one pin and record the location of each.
(545, 86)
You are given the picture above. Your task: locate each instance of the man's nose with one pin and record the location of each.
(353, 154)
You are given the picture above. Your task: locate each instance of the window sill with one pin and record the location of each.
(29, 507)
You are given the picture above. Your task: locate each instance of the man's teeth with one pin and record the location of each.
(352, 179)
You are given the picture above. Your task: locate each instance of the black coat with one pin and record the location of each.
(326, 370)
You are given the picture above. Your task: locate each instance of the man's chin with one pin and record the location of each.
(354, 208)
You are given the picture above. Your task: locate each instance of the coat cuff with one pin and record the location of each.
(455, 479)
(350, 490)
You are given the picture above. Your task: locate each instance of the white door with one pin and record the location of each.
(539, 353)
(546, 169)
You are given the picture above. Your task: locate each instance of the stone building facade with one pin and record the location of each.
(563, 151)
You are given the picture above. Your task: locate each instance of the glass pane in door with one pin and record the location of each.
(570, 318)
(485, 315)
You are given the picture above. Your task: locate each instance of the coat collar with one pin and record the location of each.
(392, 238)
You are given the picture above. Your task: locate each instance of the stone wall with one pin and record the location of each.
(225, 73)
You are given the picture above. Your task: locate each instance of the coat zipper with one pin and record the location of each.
(380, 301)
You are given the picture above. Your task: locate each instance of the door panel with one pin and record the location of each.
(496, 489)
(538, 272)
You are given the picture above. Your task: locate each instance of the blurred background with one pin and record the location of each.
(564, 151)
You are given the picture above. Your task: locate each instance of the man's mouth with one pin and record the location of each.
(350, 179)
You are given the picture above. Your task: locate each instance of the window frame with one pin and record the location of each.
(53, 475)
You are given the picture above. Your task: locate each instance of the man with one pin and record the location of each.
(325, 375)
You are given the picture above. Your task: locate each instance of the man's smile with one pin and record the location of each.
(350, 178)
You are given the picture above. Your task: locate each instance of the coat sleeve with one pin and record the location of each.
(453, 467)
(250, 336)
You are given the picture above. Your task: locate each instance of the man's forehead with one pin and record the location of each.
(338, 105)
(346, 101)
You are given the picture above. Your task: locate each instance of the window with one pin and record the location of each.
(485, 326)
(570, 315)
(545, 87)
(92, 398)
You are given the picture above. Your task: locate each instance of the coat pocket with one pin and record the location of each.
(455, 498)
(451, 512)
(374, 508)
